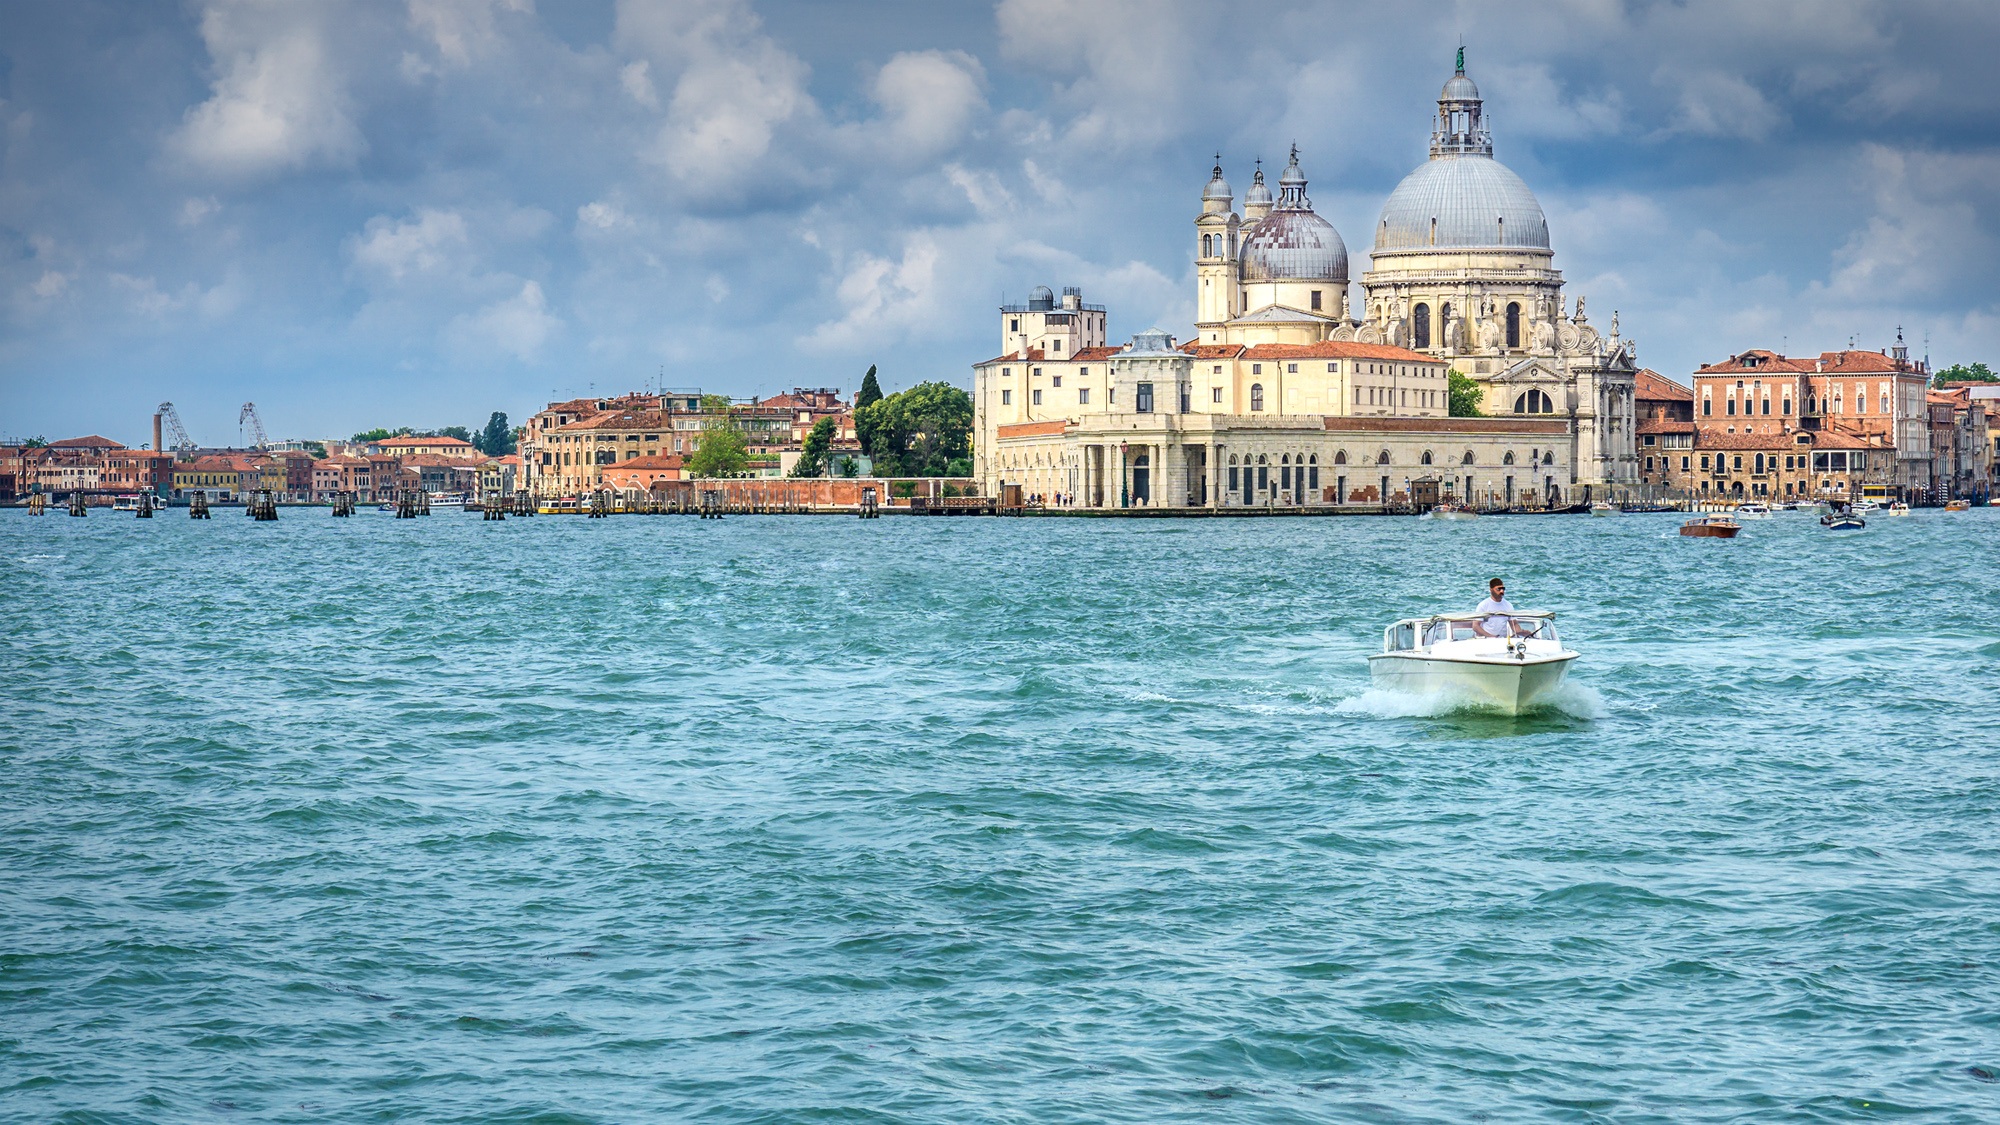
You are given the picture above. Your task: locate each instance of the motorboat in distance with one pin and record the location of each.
(1898, 509)
(1753, 511)
(1450, 511)
(1506, 661)
(1604, 508)
(1958, 505)
(1842, 521)
(1711, 527)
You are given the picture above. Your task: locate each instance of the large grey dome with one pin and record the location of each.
(1294, 246)
(1460, 202)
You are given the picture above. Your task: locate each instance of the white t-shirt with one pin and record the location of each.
(1496, 626)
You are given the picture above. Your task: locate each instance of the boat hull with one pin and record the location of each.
(1710, 531)
(1509, 686)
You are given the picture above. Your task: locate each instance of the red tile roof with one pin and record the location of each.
(413, 439)
(1665, 426)
(651, 461)
(1650, 384)
(1032, 429)
(92, 442)
(1337, 349)
(1212, 351)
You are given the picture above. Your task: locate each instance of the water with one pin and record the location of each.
(814, 819)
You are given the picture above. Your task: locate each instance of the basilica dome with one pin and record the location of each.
(1461, 201)
(1292, 243)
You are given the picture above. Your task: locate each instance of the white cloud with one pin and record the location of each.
(930, 99)
(50, 284)
(193, 211)
(883, 299)
(278, 102)
(602, 216)
(427, 243)
(461, 29)
(518, 326)
(1714, 104)
(639, 84)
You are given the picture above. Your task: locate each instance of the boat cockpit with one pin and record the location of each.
(1424, 632)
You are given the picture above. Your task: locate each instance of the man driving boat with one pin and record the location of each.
(1497, 623)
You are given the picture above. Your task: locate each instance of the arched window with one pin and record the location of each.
(1444, 317)
(1256, 396)
(1208, 246)
(1467, 459)
(1534, 402)
(1508, 459)
(1549, 458)
(1514, 324)
(1425, 459)
(1383, 458)
(1285, 459)
(1421, 326)
(1340, 458)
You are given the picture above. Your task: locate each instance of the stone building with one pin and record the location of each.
(1462, 278)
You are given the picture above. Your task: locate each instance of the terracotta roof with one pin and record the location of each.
(437, 460)
(1337, 349)
(1032, 429)
(1665, 426)
(1034, 355)
(413, 439)
(1653, 385)
(1085, 355)
(338, 461)
(1711, 439)
(1765, 361)
(651, 461)
(1846, 362)
(621, 420)
(91, 442)
(1212, 351)
(1037, 355)
(1450, 425)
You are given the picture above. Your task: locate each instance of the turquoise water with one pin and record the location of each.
(813, 819)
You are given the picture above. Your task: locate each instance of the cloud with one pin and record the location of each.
(517, 327)
(427, 243)
(278, 101)
(461, 29)
(881, 299)
(638, 84)
(929, 99)
(1714, 104)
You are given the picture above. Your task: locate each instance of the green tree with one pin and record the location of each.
(849, 467)
(1964, 373)
(1461, 395)
(959, 467)
(720, 451)
(715, 404)
(918, 432)
(818, 443)
(36, 442)
(367, 436)
(871, 391)
(496, 438)
(461, 433)
(316, 449)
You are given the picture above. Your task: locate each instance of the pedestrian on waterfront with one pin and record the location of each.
(1498, 607)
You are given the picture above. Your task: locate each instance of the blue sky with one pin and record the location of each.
(420, 211)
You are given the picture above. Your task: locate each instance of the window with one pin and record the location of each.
(1036, 396)
(1037, 372)
(1421, 331)
(1425, 459)
(1083, 372)
(1534, 401)
(1083, 396)
(1185, 407)
(1055, 381)
(1736, 462)
(1514, 325)
(1256, 396)
(1216, 394)
(1730, 408)
(1704, 462)
(1006, 398)
(1787, 405)
(1006, 371)
(1291, 369)
(1707, 407)
(1144, 403)
(1332, 367)
(1767, 406)
(1256, 369)
(1014, 325)
(1315, 300)
(1684, 463)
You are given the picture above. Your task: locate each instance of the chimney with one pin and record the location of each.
(156, 433)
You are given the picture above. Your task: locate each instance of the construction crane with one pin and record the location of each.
(249, 414)
(182, 442)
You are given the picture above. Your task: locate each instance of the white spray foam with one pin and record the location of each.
(1570, 698)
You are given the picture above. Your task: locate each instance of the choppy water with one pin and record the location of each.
(784, 819)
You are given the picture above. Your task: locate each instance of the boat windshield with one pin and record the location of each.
(1533, 628)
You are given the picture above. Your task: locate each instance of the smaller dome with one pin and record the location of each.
(1041, 297)
(1259, 193)
(1459, 89)
(1218, 188)
(1294, 246)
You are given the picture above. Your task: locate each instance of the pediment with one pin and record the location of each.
(1531, 370)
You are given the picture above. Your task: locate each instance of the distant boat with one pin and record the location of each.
(1752, 511)
(125, 504)
(1899, 509)
(1450, 511)
(1604, 508)
(1842, 521)
(1958, 505)
(1711, 527)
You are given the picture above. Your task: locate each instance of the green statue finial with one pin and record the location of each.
(1461, 60)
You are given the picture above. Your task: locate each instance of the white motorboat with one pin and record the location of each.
(1898, 508)
(1503, 661)
(1753, 511)
(1449, 511)
(1604, 508)
(447, 499)
(1866, 506)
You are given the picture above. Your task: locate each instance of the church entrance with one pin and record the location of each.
(1142, 479)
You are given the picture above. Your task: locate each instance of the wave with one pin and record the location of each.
(1579, 701)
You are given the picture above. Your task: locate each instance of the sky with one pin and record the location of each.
(417, 212)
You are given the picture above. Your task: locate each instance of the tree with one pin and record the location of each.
(459, 432)
(316, 449)
(818, 443)
(849, 467)
(720, 451)
(1962, 373)
(496, 439)
(36, 442)
(918, 432)
(367, 436)
(715, 404)
(871, 391)
(1462, 395)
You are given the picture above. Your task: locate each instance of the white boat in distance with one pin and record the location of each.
(1604, 508)
(1752, 511)
(1457, 653)
(1447, 510)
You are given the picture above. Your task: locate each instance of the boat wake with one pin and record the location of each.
(1579, 701)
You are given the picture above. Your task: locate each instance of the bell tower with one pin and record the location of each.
(1217, 242)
